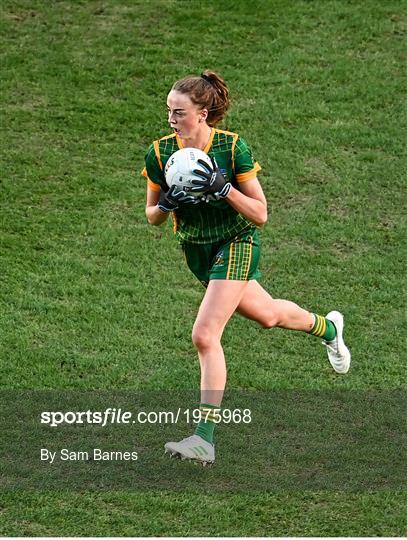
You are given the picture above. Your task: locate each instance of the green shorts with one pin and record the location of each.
(236, 259)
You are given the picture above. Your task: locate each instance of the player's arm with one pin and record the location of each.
(154, 176)
(155, 216)
(249, 200)
(248, 197)
(165, 202)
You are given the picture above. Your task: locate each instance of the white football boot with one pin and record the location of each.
(194, 448)
(338, 352)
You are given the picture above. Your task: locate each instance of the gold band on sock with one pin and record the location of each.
(319, 327)
(209, 414)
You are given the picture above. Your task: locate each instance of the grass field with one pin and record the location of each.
(94, 298)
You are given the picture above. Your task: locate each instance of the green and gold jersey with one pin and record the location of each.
(214, 221)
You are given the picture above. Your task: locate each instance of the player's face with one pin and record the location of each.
(184, 117)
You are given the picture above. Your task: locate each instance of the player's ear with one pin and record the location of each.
(203, 115)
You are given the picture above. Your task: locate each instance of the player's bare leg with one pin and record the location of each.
(218, 305)
(257, 304)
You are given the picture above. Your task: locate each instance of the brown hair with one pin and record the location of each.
(208, 91)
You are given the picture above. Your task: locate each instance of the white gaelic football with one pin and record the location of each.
(180, 166)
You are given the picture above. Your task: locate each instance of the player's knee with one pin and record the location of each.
(203, 337)
(271, 321)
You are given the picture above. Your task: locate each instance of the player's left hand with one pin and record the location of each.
(213, 182)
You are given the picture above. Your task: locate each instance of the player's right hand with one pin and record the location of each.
(170, 200)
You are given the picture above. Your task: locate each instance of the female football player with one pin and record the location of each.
(219, 237)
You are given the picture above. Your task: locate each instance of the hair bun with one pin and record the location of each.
(206, 78)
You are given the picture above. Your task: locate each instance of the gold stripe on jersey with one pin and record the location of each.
(170, 136)
(157, 148)
(226, 132)
(235, 137)
(152, 185)
(249, 175)
(208, 144)
(157, 153)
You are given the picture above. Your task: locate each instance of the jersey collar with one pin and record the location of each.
(208, 144)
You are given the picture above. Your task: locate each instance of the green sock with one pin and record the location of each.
(323, 328)
(209, 417)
